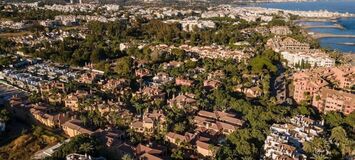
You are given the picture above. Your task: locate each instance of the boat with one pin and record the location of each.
(347, 44)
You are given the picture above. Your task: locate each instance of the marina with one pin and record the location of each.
(335, 33)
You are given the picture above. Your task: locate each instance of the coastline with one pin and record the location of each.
(330, 26)
(334, 40)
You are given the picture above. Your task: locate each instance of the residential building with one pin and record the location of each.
(73, 100)
(305, 85)
(148, 152)
(152, 92)
(309, 82)
(205, 149)
(143, 72)
(114, 85)
(88, 78)
(151, 121)
(280, 30)
(49, 120)
(190, 24)
(74, 127)
(286, 140)
(327, 100)
(342, 76)
(183, 101)
(55, 98)
(314, 59)
(252, 92)
(109, 136)
(178, 139)
(287, 44)
(218, 121)
(183, 82)
(211, 84)
(162, 78)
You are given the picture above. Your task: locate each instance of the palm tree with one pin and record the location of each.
(86, 147)
(4, 115)
(126, 157)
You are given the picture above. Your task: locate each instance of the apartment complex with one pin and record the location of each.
(327, 100)
(327, 89)
(313, 58)
(288, 44)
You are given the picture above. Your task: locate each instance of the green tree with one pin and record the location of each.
(179, 127)
(124, 66)
(97, 55)
(126, 157)
(338, 135)
(262, 64)
(86, 147)
(333, 119)
(317, 148)
(4, 115)
(177, 154)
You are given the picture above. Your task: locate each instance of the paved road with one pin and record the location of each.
(47, 152)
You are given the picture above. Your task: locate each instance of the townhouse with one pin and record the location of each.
(73, 100)
(115, 85)
(75, 127)
(183, 101)
(47, 119)
(218, 121)
(149, 123)
(88, 77)
(143, 152)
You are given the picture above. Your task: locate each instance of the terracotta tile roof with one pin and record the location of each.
(76, 125)
(203, 145)
(147, 156)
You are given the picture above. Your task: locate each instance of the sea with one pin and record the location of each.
(344, 45)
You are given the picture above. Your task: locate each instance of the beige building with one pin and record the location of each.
(287, 44)
(73, 100)
(205, 149)
(49, 120)
(178, 139)
(151, 121)
(217, 121)
(182, 101)
(88, 78)
(74, 127)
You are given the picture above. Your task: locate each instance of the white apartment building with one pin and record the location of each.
(190, 24)
(319, 59)
(285, 140)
